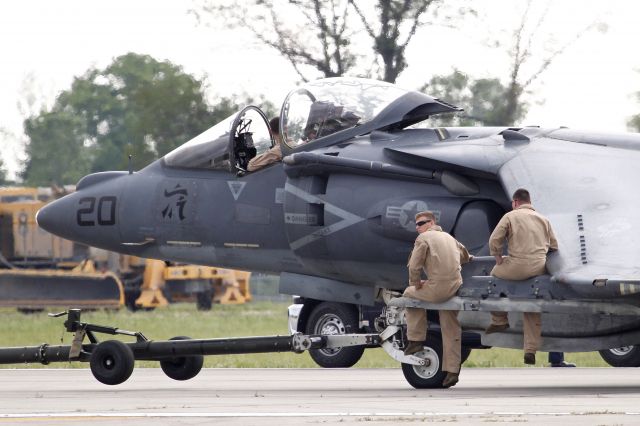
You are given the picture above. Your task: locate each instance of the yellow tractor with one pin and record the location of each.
(164, 283)
(39, 270)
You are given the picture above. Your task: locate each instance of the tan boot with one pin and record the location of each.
(413, 347)
(450, 380)
(496, 328)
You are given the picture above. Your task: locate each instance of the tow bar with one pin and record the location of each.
(181, 358)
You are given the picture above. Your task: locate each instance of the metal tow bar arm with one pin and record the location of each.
(181, 358)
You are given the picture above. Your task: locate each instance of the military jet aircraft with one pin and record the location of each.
(334, 219)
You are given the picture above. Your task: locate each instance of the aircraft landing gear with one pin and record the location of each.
(625, 356)
(430, 375)
(422, 370)
(330, 319)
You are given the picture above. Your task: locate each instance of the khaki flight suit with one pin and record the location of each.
(440, 255)
(530, 237)
(273, 155)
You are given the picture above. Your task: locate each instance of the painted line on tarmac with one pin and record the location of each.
(83, 415)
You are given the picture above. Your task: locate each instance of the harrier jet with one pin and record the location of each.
(334, 218)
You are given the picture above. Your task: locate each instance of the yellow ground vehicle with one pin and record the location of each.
(164, 283)
(38, 270)
(41, 270)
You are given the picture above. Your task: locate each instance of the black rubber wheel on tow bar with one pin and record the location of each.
(183, 367)
(112, 362)
(625, 356)
(426, 376)
(334, 318)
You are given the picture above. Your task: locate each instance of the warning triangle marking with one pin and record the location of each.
(236, 188)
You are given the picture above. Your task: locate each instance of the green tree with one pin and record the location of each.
(503, 102)
(482, 100)
(135, 106)
(56, 152)
(391, 26)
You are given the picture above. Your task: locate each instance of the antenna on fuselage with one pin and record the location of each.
(130, 168)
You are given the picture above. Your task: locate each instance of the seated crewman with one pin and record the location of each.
(273, 154)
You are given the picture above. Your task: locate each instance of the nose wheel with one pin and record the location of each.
(430, 375)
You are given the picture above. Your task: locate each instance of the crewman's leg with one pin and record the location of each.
(509, 269)
(532, 328)
(416, 324)
(451, 341)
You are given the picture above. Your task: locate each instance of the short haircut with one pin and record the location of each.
(521, 195)
(429, 215)
(274, 124)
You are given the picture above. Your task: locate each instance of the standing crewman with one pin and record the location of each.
(530, 237)
(440, 256)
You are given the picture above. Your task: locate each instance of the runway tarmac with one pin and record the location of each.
(567, 396)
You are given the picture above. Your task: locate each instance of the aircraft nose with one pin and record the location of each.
(54, 217)
(85, 217)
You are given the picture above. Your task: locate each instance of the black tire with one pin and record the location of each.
(334, 318)
(130, 300)
(204, 300)
(112, 362)
(426, 377)
(132, 284)
(184, 367)
(625, 356)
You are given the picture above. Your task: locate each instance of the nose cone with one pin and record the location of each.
(88, 218)
(54, 217)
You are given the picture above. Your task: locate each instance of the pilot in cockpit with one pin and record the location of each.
(274, 154)
(326, 118)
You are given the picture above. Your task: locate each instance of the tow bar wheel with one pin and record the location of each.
(183, 367)
(112, 362)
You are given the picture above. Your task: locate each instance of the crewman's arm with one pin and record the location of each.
(417, 261)
(259, 161)
(553, 242)
(465, 257)
(496, 240)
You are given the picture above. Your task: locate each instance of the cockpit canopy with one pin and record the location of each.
(324, 107)
(320, 113)
(325, 112)
(228, 145)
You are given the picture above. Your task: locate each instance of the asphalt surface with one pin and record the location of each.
(550, 396)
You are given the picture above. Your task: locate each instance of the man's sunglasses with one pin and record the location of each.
(422, 222)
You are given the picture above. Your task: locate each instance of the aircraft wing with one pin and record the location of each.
(585, 185)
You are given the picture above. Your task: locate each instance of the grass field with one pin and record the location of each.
(252, 319)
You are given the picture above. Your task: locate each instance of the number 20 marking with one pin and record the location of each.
(105, 214)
